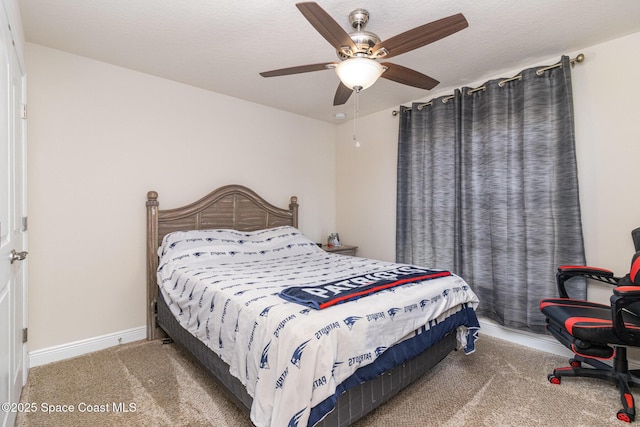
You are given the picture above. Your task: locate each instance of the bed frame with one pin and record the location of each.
(237, 207)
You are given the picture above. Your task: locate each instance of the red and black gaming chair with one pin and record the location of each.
(598, 331)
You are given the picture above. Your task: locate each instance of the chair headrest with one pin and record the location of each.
(635, 235)
(634, 273)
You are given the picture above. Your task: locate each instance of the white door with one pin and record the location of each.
(12, 226)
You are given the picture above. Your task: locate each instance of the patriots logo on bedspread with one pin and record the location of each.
(264, 359)
(336, 364)
(472, 336)
(266, 310)
(351, 320)
(297, 354)
(295, 419)
(329, 294)
(392, 312)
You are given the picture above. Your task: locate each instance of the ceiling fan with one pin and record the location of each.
(359, 50)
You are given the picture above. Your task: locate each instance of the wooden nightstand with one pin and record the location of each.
(342, 249)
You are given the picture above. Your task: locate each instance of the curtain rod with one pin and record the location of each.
(578, 59)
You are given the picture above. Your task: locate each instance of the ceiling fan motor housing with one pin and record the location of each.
(364, 40)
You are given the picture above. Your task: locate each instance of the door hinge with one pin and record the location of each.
(25, 223)
(24, 111)
(25, 335)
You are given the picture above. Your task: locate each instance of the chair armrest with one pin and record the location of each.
(627, 291)
(624, 296)
(566, 272)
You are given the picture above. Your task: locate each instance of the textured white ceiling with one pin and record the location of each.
(222, 45)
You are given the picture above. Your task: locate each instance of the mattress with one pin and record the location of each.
(223, 286)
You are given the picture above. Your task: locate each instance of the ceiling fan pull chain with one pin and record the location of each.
(356, 110)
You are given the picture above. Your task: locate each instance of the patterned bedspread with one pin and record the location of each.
(223, 286)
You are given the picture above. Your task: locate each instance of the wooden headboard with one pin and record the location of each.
(230, 207)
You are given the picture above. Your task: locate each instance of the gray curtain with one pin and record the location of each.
(487, 188)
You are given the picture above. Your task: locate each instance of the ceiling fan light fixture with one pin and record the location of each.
(359, 72)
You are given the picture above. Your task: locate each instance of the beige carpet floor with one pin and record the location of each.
(501, 384)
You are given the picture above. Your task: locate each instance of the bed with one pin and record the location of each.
(219, 275)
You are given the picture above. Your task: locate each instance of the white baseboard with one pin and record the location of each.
(78, 348)
(539, 342)
(528, 339)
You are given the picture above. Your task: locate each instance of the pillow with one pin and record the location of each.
(186, 246)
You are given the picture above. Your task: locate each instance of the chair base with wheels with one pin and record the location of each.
(618, 374)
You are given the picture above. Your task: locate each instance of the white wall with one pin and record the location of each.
(366, 191)
(100, 137)
(608, 146)
(605, 90)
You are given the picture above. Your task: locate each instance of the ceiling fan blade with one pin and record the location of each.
(342, 94)
(422, 35)
(326, 26)
(299, 69)
(407, 76)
